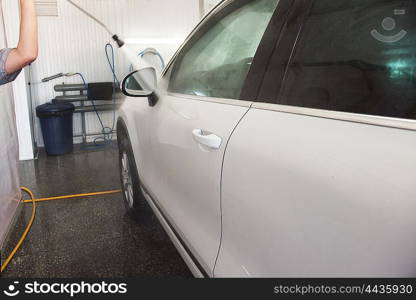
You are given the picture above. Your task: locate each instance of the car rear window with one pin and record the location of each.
(355, 56)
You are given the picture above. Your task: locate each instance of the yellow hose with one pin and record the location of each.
(22, 239)
(75, 196)
(32, 219)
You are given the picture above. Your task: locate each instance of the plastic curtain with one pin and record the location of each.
(9, 151)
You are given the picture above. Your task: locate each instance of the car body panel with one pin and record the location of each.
(317, 197)
(186, 176)
(189, 259)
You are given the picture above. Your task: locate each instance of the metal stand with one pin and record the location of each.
(82, 108)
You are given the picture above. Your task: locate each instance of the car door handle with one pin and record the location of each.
(207, 139)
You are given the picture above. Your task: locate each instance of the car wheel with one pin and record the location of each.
(130, 182)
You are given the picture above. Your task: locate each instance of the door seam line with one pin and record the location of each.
(221, 183)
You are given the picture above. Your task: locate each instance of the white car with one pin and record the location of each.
(280, 141)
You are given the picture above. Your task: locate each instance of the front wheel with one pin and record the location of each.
(133, 197)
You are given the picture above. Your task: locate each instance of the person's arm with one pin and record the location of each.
(27, 48)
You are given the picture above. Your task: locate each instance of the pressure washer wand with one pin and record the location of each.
(119, 42)
(137, 65)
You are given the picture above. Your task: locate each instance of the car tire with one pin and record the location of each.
(129, 176)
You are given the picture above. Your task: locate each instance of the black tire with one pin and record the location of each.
(129, 176)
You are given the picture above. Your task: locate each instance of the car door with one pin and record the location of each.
(184, 136)
(327, 187)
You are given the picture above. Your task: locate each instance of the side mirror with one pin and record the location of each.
(141, 83)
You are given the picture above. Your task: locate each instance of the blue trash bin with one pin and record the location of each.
(57, 127)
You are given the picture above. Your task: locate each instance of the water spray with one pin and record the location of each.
(129, 54)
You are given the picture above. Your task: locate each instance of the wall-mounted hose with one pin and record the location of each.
(108, 131)
(150, 51)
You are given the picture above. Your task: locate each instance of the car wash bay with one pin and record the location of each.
(91, 236)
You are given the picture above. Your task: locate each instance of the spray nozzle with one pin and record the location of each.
(119, 42)
(59, 75)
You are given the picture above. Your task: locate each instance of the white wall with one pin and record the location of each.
(72, 42)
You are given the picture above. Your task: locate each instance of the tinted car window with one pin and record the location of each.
(217, 63)
(355, 56)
